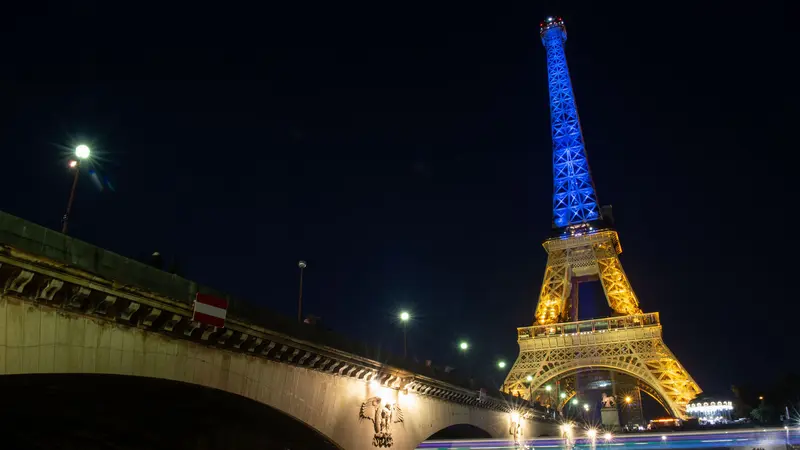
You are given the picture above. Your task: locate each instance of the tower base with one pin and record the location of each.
(628, 344)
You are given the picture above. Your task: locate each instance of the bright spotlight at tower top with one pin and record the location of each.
(82, 151)
(552, 23)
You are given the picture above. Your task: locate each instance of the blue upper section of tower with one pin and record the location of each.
(574, 197)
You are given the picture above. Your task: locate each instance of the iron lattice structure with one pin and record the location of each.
(586, 247)
(574, 197)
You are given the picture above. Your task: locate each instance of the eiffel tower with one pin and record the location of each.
(585, 247)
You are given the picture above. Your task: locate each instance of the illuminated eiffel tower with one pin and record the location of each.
(585, 247)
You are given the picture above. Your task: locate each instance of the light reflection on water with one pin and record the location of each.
(749, 439)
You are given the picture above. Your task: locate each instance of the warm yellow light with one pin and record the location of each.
(515, 417)
(529, 378)
(628, 399)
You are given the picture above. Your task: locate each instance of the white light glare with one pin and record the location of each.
(82, 151)
(663, 438)
(608, 436)
(592, 433)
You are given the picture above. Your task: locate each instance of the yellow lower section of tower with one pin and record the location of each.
(630, 342)
(627, 344)
(591, 254)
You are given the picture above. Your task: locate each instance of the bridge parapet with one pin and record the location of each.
(43, 266)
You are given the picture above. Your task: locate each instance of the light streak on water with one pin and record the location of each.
(773, 438)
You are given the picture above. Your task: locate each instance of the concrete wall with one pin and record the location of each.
(38, 339)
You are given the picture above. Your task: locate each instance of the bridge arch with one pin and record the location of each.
(39, 339)
(460, 431)
(649, 384)
(129, 412)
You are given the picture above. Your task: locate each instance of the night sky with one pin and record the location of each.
(404, 151)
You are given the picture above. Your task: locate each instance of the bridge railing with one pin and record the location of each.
(75, 254)
(589, 326)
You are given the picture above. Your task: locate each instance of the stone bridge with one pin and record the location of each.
(72, 309)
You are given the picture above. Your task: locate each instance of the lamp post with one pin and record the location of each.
(81, 152)
(404, 317)
(302, 265)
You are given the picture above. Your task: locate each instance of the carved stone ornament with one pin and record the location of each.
(383, 415)
(608, 401)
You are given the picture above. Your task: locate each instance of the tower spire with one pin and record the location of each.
(574, 197)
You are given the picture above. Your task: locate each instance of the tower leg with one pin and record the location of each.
(555, 289)
(619, 293)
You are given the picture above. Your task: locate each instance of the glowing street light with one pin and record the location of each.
(463, 345)
(628, 399)
(548, 388)
(529, 378)
(81, 152)
(563, 395)
(501, 364)
(608, 437)
(404, 318)
(586, 406)
(591, 433)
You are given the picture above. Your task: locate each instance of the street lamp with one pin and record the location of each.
(501, 364)
(404, 317)
(302, 265)
(563, 395)
(575, 401)
(548, 388)
(463, 345)
(529, 378)
(628, 399)
(81, 152)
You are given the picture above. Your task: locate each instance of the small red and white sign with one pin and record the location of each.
(210, 310)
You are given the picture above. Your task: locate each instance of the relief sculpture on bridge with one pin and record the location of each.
(383, 415)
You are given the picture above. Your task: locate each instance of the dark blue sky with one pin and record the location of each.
(404, 152)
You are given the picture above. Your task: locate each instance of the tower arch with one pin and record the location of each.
(647, 386)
